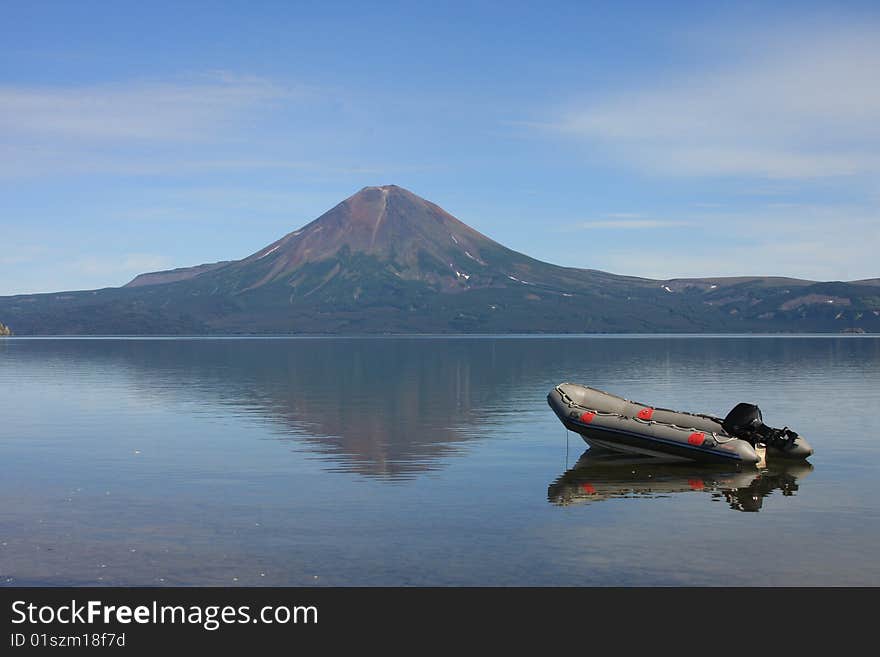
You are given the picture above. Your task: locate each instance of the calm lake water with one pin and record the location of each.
(423, 461)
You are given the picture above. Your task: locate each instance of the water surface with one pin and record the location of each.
(423, 461)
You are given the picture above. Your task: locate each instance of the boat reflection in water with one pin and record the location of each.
(603, 474)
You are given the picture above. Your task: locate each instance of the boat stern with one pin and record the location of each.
(799, 448)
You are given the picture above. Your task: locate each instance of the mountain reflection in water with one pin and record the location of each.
(381, 408)
(602, 475)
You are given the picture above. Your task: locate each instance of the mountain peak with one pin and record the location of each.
(386, 188)
(411, 237)
(381, 193)
(414, 238)
(383, 190)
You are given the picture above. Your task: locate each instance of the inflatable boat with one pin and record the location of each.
(612, 422)
(601, 475)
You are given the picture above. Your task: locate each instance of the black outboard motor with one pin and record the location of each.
(745, 421)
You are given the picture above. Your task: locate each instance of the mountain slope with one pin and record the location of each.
(386, 260)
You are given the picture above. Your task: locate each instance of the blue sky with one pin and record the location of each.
(653, 139)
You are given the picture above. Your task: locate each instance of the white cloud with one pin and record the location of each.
(806, 105)
(186, 110)
(628, 224)
(122, 264)
(25, 161)
(46, 266)
(15, 254)
(811, 242)
(207, 123)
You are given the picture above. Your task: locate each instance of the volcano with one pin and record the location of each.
(385, 260)
(390, 229)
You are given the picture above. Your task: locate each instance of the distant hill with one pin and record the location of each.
(386, 260)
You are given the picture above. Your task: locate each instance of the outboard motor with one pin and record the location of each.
(745, 422)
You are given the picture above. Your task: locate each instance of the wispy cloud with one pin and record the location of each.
(25, 161)
(214, 124)
(122, 264)
(33, 269)
(15, 254)
(200, 123)
(186, 109)
(805, 241)
(627, 224)
(612, 221)
(806, 105)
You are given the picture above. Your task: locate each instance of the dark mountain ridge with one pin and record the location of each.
(386, 260)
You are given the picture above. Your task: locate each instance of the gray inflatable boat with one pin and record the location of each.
(612, 422)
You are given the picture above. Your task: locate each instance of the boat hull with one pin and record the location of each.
(611, 422)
